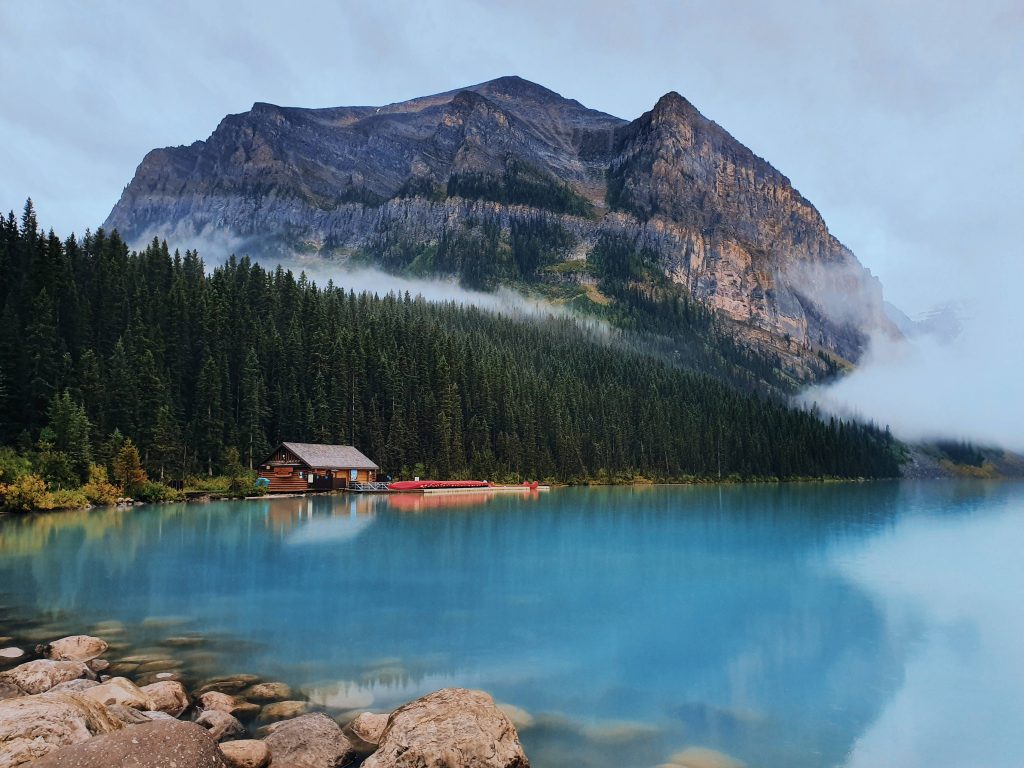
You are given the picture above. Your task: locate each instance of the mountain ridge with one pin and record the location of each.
(442, 184)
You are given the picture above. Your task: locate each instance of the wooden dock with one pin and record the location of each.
(383, 488)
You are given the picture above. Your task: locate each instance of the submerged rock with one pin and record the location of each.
(34, 726)
(365, 731)
(283, 710)
(11, 653)
(167, 696)
(233, 705)
(264, 693)
(41, 675)
(220, 725)
(309, 741)
(158, 744)
(703, 757)
(76, 648)
(246, 753)
(227, 684)
(451, 727)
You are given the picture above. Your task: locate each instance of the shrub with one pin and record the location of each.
(65, 499)
(99, 490)
(152, 492)
(26, 494)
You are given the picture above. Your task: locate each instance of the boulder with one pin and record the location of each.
(449, 728)
(220, 725)
(8, 690)
(41, 675)
(76, 648)
(119, 690)
(11, 653)
(309, 741)
(98, 665)
(158, 744)
(167, 696)
(127, 715)
(246, 753)
(364, 732)
(264, 693)
(282, 710)
(34, 726)
(229, 684)
(225, 702)
(74, 686)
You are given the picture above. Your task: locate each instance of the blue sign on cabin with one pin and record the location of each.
(353, 474)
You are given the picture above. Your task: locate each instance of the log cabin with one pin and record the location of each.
(300, 467)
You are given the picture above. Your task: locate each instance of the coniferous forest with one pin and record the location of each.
(201, 369)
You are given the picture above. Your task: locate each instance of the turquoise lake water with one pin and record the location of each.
(877, 624)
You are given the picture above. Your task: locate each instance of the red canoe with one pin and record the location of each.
(423, 485)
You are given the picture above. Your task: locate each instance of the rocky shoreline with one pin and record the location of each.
(63, 705)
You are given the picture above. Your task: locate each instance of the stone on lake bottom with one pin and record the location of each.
(11, 653)
(434, 729)
(158, 744)
(704, 757)
(309, 741)
(264, 693)
(225, 702)
(283, 710)
(246, 753)
(34, 726)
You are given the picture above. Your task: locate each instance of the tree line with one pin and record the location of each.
(204, 369)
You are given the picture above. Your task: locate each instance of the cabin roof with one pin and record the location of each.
(330, 456)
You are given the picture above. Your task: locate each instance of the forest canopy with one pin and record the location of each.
(202, 368)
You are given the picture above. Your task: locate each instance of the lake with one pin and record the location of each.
(789, 626)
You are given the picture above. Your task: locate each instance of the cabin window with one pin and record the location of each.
(301, 474)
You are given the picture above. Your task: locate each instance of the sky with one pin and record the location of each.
(901, 121)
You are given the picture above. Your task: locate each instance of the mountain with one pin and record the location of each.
(509, 182)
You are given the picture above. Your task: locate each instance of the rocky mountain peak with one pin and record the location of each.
(395, 182)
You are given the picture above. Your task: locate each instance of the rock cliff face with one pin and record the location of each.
(390, 182)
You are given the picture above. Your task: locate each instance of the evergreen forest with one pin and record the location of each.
(202, 369)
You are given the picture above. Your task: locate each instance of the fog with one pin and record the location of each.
(930, 386)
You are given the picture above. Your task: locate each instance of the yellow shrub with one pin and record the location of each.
(99, 490)
(26, 494)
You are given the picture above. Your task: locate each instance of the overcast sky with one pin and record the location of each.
(901, 121)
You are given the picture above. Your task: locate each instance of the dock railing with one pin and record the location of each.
(367, 487)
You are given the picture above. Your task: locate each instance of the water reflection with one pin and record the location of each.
(791, 625)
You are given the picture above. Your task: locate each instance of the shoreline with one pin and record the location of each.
(101, 694)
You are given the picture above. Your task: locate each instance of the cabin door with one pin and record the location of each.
(321, 480)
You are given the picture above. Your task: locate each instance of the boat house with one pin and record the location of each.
(298, 467)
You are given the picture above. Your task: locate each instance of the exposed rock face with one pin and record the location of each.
(721, 221)
(159, 744)
(76, 648)
(309, 741)
(42, 675)
(34, 726)
(450, 728)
